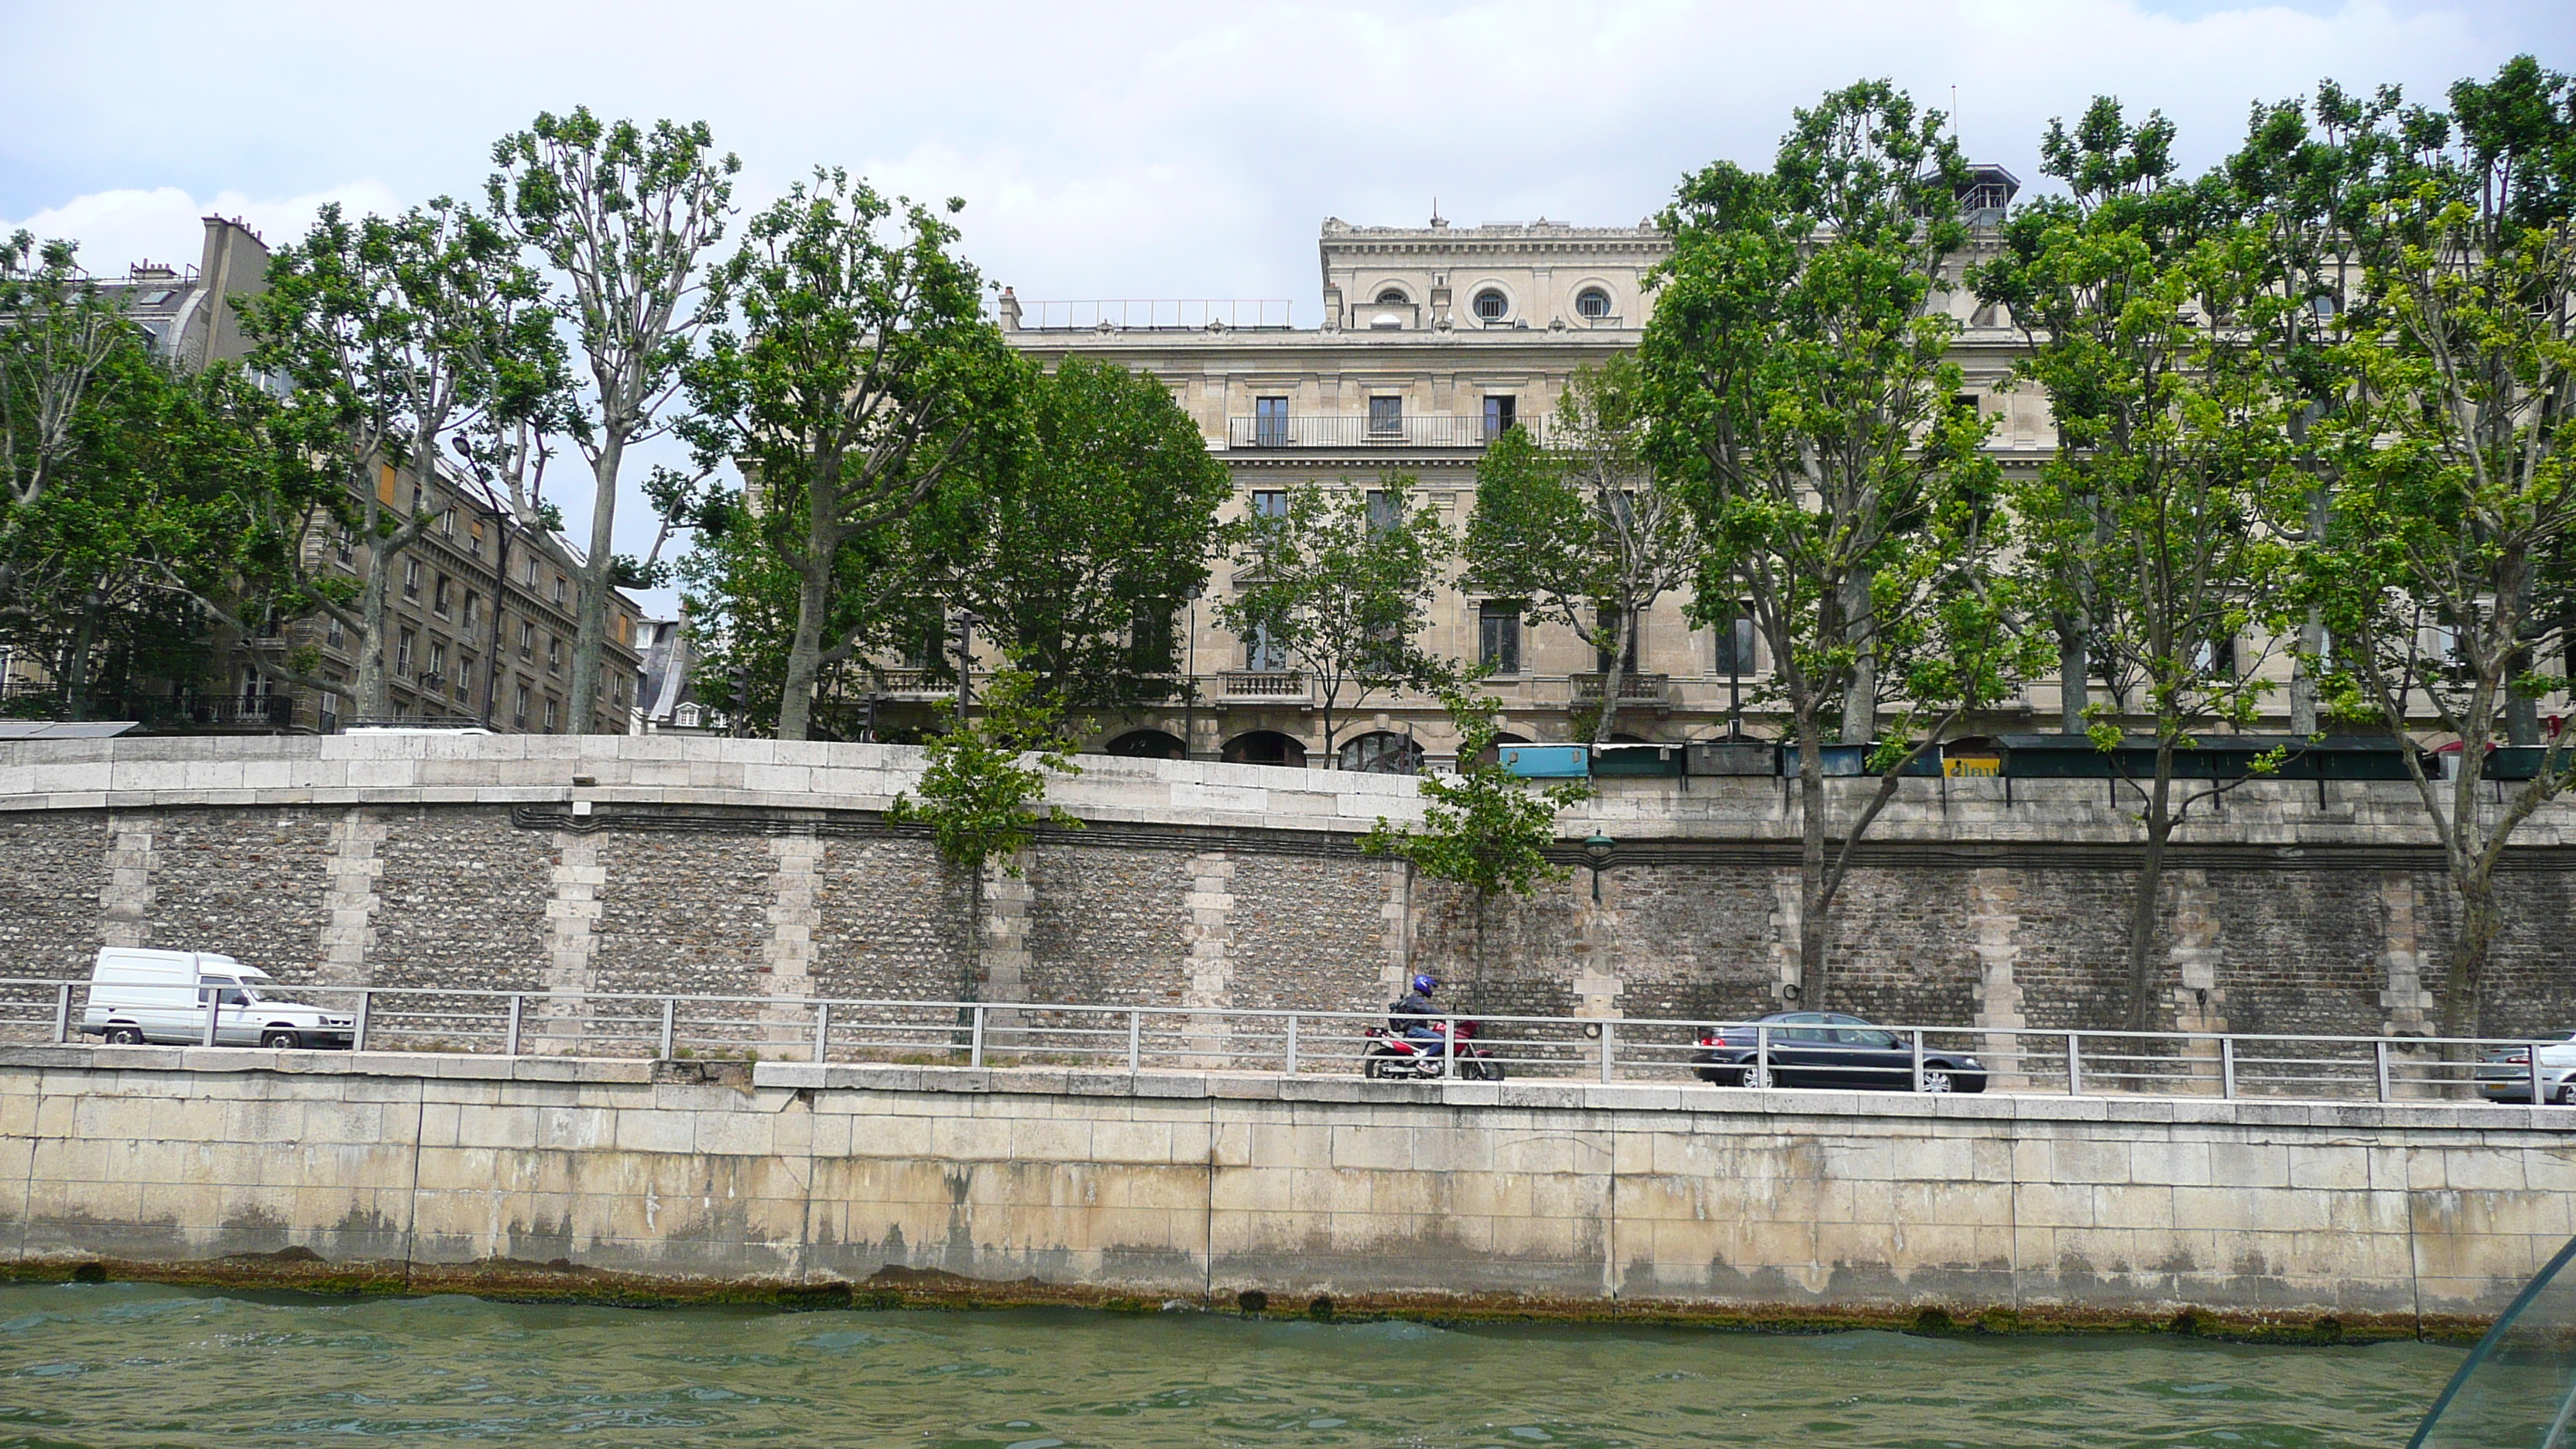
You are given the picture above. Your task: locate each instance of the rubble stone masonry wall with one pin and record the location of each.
(754, 868)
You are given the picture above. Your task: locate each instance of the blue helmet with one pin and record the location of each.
(1426, 984)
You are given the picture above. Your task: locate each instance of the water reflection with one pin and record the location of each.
(130, 1365)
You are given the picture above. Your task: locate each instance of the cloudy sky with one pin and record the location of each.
(1143, 149)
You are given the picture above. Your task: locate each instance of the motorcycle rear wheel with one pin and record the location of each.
(1376, 1067)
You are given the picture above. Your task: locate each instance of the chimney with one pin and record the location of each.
(235, 264)
(1010, 311)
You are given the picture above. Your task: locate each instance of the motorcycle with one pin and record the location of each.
(1392, 1056)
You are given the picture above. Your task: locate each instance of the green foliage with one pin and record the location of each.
(1339, 586)
(1484, 828)
(985, 776)
(1582, 529)
(862, 378)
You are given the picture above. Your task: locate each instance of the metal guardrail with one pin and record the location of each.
(2028, 1060)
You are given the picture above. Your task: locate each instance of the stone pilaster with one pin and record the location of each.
(1210, 934)
(1788, 907)
(787, 961)
(2406, 1003)
(574, 911)
(353, 897)
(1398, 911)
(125, 902)
(2199, 1001)
(1994, 898)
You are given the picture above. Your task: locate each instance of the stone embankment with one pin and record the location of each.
(832, 1184)
(753, 867)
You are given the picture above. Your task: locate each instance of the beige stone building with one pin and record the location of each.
(1435, 339)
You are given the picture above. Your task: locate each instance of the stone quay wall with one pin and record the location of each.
(638, 1181)
(665, 863)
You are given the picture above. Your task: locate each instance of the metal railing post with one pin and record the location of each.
(1449, 1048)
(1135, 1042)
(366, 1020)
(214, 1011)
(1292, 1043)
(822, 1032)
(1761, 1058)
(2379, 1059)
(518, 1021)
(2532, 1069)
(2074, 1067)
(1918, 1059)
(670, 1021)
(63, 1013)
(975, 1044)
(2227, 1067)
(1609, 1040)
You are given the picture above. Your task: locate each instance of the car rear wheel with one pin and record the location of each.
(125, 1036)
(1760, 1079)
(2567, 1093)
(1936, 1078)
(281, 1039)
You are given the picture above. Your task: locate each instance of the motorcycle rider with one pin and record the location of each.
(1415, 1016)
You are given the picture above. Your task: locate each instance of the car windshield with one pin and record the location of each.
(235, 993)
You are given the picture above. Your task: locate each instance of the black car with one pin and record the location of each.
(1827, 1049)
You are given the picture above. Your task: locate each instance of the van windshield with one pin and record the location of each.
(235, 993)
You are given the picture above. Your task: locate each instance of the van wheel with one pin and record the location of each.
(282, 1040)
(125, 1036)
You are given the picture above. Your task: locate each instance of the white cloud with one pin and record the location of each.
(165, 224)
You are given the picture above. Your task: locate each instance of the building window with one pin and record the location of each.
(554, 713)
(1735, 644)
(1592, 303)
(1605, 625)
(1498, 637)
(2217, 658)
(1501, 411)
(1491, 305)
(1382, 753)
(560, 587)
(474, 540)
(1263, 652)
(402, 652)
(442, 596)
(437, 662)
(1393, 297)
(1270, 503)
(1270, 422)
(347, 547)
(464, 675)
(532, 573)
(411, 578)
(1385, 511)
(1386, 414)
(527, 640)
(554, 654)
(519, 716)
(329, 704)
(447, 523)
(332, 635)
(473, 610)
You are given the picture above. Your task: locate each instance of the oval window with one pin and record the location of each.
(1491, 305)
(1592, 302)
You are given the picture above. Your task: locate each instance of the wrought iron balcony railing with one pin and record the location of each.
(1274, 431)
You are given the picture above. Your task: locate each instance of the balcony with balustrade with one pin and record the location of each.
(1651, 690)
(1263, 686)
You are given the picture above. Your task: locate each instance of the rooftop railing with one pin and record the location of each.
(1156, 314)
(2055, 1061)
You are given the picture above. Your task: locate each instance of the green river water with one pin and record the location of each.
(99, 1365)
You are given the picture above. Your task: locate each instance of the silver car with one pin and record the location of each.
(2505, 1076)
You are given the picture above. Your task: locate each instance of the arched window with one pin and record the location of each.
(1491, 304)
(1265, 747)
(1382, 753)
(1147, 745)
(1393, 297)
(1592, 302)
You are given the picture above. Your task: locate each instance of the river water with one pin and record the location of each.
(131, 1365)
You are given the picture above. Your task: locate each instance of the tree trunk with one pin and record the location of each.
(1815, 991)
(1613, 676)
(375, 690)
(2142, 912)
(804, 652)
(2074, 673)
(590, 599)
(2464, 980)
(76, 663)
(1860, 695)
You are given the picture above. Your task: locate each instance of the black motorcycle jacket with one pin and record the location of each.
(1415, 1010)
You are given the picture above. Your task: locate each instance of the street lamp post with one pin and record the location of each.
(1596, 851)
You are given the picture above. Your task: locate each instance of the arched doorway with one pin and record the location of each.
(1265, 747)
(1147, 745)
(1382, 752)
(1493, 753)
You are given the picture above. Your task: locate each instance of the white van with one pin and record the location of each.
(138, 996)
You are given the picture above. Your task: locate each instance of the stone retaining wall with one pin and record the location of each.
(760, 868)
(617, 1179)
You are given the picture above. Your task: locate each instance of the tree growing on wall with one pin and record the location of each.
(983, 784)
(627, 217)
(1338, 586)
(2449, 572)
(1483, 829)
(2143, 305)
(1583, 529)
(863, 376)
(1801, 394)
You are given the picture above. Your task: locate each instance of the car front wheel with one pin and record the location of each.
(125, 1036)
(1760, 1079)
(280, 1039)
(1936, 1078)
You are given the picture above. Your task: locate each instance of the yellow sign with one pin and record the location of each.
(1972, 767)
